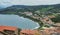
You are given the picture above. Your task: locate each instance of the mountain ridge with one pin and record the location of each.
(41, 8)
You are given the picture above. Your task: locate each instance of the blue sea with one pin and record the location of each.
(17, 21)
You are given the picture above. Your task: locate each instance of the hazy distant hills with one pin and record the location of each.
(41, 8)
(15, 7)
(2, 6)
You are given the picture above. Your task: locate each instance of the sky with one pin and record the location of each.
(28, 2)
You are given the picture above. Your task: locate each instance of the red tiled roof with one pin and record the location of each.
(29, 31)
(7, 27)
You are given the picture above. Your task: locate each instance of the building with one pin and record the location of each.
(46, 20)
(28, 13)
(51, 16)
(51, 31)
(8, 30)
(29, 32)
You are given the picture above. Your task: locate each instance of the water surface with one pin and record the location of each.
(17, 21)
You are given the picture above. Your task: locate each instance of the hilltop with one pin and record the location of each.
(41, 8)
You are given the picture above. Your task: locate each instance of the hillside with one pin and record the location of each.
(37, 13)
(44, 9)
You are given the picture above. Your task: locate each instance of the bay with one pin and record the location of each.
(17, 21)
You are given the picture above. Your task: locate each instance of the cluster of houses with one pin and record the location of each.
(51, 31)
(8, 30)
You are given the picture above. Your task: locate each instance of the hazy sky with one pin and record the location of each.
(28, 2)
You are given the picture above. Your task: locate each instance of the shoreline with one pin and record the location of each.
(36, 27)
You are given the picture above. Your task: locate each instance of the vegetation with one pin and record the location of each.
(56, 19)
(35, 10)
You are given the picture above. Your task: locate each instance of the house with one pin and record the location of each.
(29, 32)
(51, 16)
(8, 30)
(51, 31)
(57, 24)
(47, 20)
(28, 13)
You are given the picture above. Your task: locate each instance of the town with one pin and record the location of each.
(48, 19)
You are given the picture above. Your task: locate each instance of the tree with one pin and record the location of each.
(19, 30)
